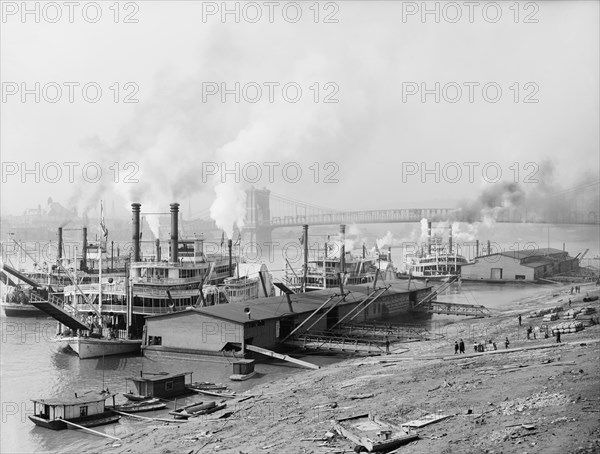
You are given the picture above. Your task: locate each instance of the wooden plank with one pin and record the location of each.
(425, 421)
(95, 432)
(176, 421)
(264, 351)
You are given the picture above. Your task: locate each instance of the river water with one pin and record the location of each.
(32, 366)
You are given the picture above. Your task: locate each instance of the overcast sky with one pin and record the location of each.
(371, 61)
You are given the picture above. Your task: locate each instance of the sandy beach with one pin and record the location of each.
(544, 398)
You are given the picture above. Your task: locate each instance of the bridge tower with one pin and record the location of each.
(258, 215)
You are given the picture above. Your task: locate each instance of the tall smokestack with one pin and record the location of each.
(305, 244)
(476, 248)
(450, 240)
(389, 254)
(429, 237)
(157, 247)
(489, 250)
(84, 266)
(343, 249)
(174, 231)
(60, 244)
(230, 247)
(135, 231)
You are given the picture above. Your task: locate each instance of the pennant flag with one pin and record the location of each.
(222, 238)
(239, 240)
(102, 223)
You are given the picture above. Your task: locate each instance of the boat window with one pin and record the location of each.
(83, 411)
(169, 386)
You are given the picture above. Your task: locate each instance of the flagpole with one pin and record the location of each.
(100, 264)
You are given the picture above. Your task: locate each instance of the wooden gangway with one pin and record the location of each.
(55, 308)
(392, 331)
(442, 308)
(338, 342)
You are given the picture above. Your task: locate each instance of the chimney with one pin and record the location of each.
(305, 244)
(157, 247)
(174, 231)
(450, 240)
(389, 254)
(489, 250)
(476, 248)
(84, 266)
(135, 231)
(60, 245)
(230, 247)
(429, 237)
(343, 249)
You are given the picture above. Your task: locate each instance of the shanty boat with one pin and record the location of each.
(373, 433)
(140, 406)
(159, 385)
(243, 369)
(86, 410)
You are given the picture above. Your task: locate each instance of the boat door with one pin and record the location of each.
(286, 326)
(332, 317)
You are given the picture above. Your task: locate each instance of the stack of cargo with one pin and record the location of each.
(567, 327)
(571, 313)
(550, 317)
(548, 310)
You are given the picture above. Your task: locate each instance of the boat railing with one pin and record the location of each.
(168, 281)
(95, 288)
(84, 307)
(163, 292)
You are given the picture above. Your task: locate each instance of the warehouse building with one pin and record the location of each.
(224, 329)
(528, 265)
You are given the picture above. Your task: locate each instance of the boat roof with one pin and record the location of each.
(159, 377)
(76, 398)
(276, 307)
(525, 253)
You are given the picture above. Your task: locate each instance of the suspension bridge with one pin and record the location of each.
(267, 210)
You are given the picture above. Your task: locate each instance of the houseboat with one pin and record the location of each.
(158, 386)
(83, 409)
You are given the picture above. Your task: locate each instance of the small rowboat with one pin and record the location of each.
(197, 410)
(136, 397)
(207, 385)
(222, 394)
(140, 406)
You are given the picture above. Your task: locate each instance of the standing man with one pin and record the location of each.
(569, 302)
(558, 337)
(519, 319)
(387, 346)
(456, 347)
(506, 343)
(462, 346)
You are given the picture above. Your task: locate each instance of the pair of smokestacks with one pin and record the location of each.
(59, 255)
(429, 238)
(135, 210)
(450, 245)
(135, 236)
